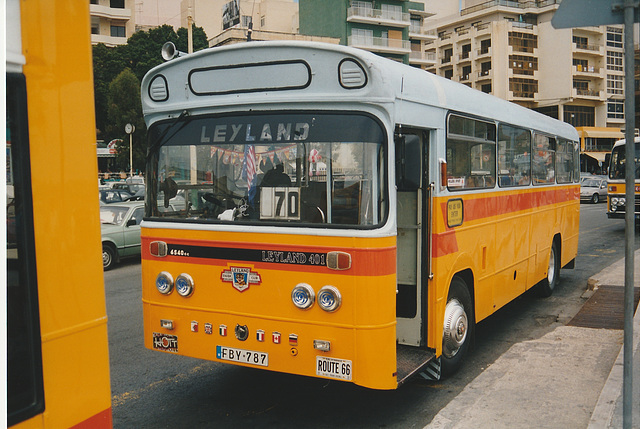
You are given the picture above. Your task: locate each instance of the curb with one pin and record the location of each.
(603, 413)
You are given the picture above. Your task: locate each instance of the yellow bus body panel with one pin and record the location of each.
(503, 244)
(362, 330)
(73, 321)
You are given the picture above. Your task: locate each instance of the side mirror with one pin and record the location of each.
(131, 222)
(408, 162)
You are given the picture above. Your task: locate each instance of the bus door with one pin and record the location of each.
(412, 249)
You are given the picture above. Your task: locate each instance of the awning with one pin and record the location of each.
(602, 133)
(599, 156)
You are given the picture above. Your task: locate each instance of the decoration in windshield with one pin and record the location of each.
(291, 168)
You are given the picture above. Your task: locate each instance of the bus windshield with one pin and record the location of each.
(296, 168)
(618, 165)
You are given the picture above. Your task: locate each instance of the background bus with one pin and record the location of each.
(616, 198)
(57, 346)
(319, 210)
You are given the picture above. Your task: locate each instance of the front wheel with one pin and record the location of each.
(108, 257)
(548, 284)
(595, 199)
(458, 326)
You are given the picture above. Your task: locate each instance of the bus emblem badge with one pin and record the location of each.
(241, 277)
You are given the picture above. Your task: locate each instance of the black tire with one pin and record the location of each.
(459, 327)
(595, 199)
(108, 257)
(547, 285)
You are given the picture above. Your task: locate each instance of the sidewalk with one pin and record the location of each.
(556, 381)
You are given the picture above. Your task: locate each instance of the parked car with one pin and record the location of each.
(120, 231)
(109, 196)
(593, 189)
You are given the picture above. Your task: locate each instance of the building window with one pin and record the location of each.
(523, 42)
(246, 20)
(486, 88)
(95, 25)
(118, 31)
(361, 36)
(581, 65)
(485, 46)
(580, 116)
(581, 42)
(448, 73)
(466, 71)
(615, 109)
(614, 37)
(485, 68)
(615, 84)
(448, 53)
(582, 85)
(466, 50)
(116, 4)
(551, 111)
(523, 65)
(615, 61)
(391, 11)
(523, 88)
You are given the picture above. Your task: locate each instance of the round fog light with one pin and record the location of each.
(164, 283)
(303, 296)
(329, 298)
(184, 285)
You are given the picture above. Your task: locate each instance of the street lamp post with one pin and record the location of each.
(129, 129)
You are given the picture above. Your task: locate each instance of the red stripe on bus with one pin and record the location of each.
(101, 420)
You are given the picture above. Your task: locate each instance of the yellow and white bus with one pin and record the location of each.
(57, 373)
(616, 185)
(319, 210)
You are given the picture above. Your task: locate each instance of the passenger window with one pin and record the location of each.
(564, 161)
(514, 156)
(544, 153)
(471, 154)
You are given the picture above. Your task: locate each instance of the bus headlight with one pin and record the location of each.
(329, 298)
(184, 285)
(164, 283)
(303, 296)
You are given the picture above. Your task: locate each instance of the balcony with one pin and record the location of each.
(365, 15)
(109, 12)
(589, 49)
(418, 32)
(380, 44)
(588, 94)
(422, 58)
(485, 75)
(108, 40)
(483, 53)
(588, 71)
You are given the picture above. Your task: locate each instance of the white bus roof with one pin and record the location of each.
(622, 142)
(385, 81)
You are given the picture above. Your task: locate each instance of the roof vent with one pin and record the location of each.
(159, 89)
(351, 74)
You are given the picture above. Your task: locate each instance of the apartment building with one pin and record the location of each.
(391, 28)
(275, 16)
(510, 49)
(112, 21)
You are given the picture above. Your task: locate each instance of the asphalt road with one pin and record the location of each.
(158, 390)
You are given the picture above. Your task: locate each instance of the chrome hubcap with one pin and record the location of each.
(551, 271)
(455, 328)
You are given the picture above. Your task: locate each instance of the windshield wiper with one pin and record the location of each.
(163, 138)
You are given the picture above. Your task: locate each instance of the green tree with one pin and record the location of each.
(141, 53)
(124, 107)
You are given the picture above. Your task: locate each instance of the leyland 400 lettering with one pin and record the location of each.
(351, 218)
